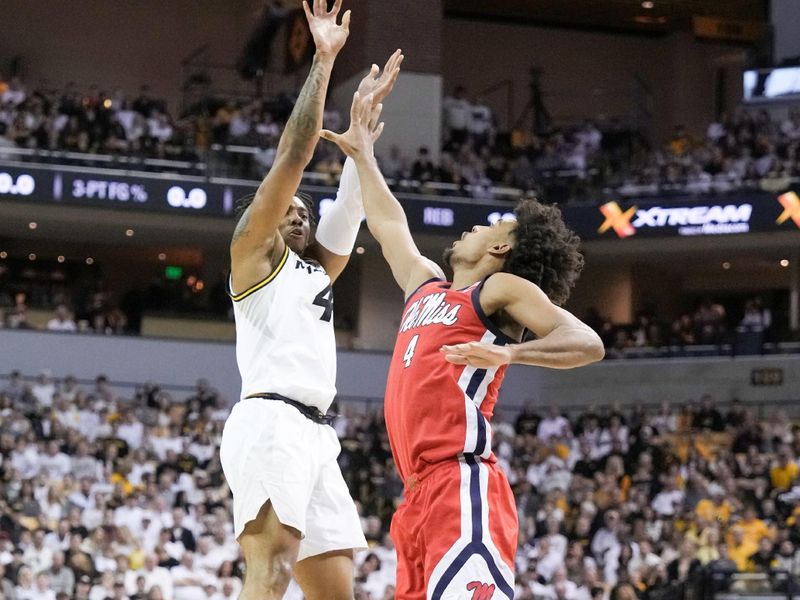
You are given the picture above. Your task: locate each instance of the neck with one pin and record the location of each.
(465, 276)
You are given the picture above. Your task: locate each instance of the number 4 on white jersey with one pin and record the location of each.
(412, 346)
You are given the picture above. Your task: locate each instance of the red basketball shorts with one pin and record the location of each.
(456, 534)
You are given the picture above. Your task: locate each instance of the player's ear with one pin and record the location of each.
(499, 249)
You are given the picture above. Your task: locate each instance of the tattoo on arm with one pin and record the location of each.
(242, 227)
(306, 119)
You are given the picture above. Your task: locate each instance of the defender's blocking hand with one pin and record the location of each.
(364, 128)
(381, 86)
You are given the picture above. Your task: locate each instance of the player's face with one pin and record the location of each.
(295, 229)
(479, 241)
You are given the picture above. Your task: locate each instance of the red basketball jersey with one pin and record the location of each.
(436, 410)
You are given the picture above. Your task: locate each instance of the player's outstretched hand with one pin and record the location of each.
(364, 128)
(477, 354)
(381, 85)
(329, 36)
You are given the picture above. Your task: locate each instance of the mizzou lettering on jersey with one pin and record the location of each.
(308, 267)
(481, 591)
(429, 310)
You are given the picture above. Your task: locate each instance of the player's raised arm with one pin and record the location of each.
(256, 235)
(385, 217)
(564, 340)
(338, 227)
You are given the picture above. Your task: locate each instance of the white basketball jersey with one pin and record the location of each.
(284, 334)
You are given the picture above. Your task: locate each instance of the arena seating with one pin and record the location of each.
(121, 495)
(745, 150)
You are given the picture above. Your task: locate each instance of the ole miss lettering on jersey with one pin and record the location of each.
(437, 410)
(431, 309)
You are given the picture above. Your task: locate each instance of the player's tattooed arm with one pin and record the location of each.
(242, 227)
(257, 236)
(300, 135)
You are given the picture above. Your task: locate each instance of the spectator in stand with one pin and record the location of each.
(708, 417)
(62, 321)
(14, 94)
(394, 165)
(457, 117)
(756, 318)
(423, 168)
(481, 126)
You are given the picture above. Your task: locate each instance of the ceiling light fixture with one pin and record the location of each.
(784, 262)
(648, 4)
(129, 232)
(33, 225)
(162, 256)
(89, 260)
(726, 265)
(61, 259)
(31, 256)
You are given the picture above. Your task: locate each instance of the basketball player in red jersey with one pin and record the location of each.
(456, 530)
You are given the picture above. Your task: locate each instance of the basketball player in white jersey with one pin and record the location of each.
(293, 513)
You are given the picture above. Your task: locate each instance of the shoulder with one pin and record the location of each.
(423, 271)
(501, 289)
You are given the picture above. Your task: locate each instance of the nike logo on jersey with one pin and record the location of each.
(301, 264)
(429, 310)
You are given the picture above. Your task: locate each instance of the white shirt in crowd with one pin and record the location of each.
(159, 576)
(666, 502)
(457, 113)
(132, 433)
(43, 392)
(55, 466)
(552, 426)
(66, 325)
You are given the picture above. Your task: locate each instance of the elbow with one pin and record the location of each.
(594, 350)
(597, 352)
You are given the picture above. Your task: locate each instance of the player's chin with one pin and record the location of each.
(448, 255)
(297, 243)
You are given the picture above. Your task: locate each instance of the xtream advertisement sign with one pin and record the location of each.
(715, 219)
(713, 215)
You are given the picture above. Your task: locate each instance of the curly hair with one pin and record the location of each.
(243, 203)
(545, 251)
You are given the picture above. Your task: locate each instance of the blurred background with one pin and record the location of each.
(666, 130)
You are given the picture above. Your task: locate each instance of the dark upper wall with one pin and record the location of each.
(590, 74)
(121, 44)
(126, 44)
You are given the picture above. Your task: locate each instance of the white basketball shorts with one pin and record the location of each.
(270, 451)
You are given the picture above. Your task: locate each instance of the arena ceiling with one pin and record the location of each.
(642, 16)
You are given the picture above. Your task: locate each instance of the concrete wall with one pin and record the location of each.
(590, 74)
(784, 17)
(606, 287)
(362, 375)
(121, 44)
(125, 44)
(413, 113)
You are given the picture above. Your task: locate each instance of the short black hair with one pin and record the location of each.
(243, 203)
(545, 252)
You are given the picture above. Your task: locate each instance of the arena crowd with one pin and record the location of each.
(117, 495)
(743, 150)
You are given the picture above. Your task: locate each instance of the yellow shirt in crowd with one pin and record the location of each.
(741, 554)
(782, 477)
(707, 510)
